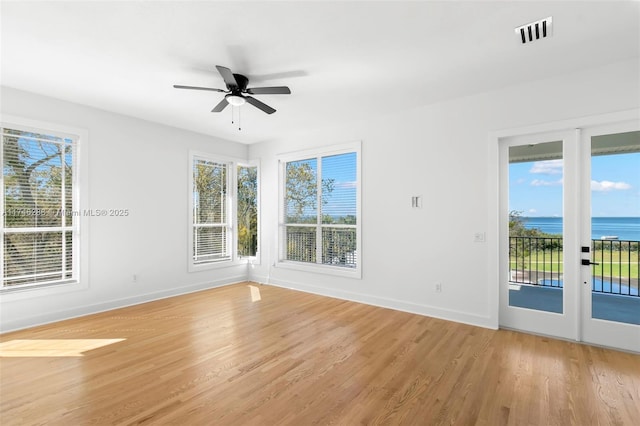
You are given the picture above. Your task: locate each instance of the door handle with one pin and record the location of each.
(587, 262)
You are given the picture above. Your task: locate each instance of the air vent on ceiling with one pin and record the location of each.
(535, 31)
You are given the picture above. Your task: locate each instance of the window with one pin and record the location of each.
(320, 214)
(211, 227)
(39, 223)
(247, 211)
(223, 212)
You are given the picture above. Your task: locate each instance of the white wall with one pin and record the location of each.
(438, 151)
(443, 153)
(135, 165)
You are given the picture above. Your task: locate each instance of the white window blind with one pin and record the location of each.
(321, 210)
(211, 227)
(38, 222)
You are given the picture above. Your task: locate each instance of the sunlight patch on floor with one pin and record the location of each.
(52, 347)
(255, 293)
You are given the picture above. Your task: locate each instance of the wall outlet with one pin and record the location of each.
(134, 278)
(479, 237)
(438, 287)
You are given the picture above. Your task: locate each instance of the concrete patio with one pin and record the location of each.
(605, 306)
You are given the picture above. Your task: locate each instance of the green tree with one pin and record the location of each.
(247, 210)
(210, 190)
(525, 241)
(33, 170)
(210, 182)
(519, 248)
(302, 199)
(302, 192)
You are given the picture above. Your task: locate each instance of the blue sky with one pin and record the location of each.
(535, 188)
(341, 168)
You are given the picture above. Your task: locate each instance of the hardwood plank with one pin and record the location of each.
(224, 357)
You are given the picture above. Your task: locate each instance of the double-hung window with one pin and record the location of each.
(223, 212)
(211, 227)
(39, 229)
(320, 210)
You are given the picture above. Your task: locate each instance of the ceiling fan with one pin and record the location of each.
(236, 90)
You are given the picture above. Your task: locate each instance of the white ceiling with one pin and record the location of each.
(343, 61)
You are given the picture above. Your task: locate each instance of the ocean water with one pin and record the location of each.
(625, 228)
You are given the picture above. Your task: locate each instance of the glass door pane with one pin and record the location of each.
(615, 227)
(536, 226)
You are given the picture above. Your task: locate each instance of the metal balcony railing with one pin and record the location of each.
(539, 261)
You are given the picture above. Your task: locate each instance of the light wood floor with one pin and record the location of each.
(258, 355)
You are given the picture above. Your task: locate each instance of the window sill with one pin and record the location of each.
(45, 290)
(353, 273)
(198, 267)
(251, 260)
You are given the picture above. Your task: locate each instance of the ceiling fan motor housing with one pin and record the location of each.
(242, 83)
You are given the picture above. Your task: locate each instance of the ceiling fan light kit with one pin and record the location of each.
(237, 90)
(235, 100)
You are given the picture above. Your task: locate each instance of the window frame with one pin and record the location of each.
(79, 228)
(234, 259)
(318, 266)
(254, 260)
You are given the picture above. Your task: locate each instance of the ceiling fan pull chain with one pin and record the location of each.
(239, 128)
(232, 109)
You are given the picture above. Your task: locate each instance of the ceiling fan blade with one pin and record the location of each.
(256, 103)
(227, 76)
(222, 105)
(178, 86)
(279, 90)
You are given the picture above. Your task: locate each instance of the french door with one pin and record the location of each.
(610, 232)
(565, 195)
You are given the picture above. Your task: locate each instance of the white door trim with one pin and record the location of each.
(494, 195)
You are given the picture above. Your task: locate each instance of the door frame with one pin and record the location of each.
(497, 212)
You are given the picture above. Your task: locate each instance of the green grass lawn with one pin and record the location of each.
(610, 263)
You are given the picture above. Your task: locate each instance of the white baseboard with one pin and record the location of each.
(50, 317)
(398, 305)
